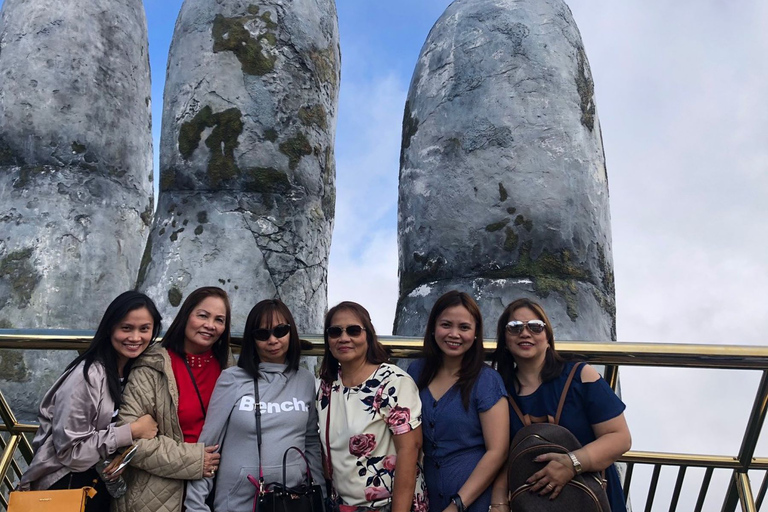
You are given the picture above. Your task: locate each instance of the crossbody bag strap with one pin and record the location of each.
(329, 466)
(194, 383)
(257, 410)
(565, 391)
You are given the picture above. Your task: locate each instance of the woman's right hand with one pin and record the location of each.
(144, 428)
(211, 461)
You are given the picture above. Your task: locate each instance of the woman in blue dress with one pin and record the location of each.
(534, 375)
(464, 410)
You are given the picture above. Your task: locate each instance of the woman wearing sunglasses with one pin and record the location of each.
(370, 419)
(466, 416)
(267, 380)
(535, 375)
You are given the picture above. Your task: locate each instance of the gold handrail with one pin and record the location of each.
(611, 354)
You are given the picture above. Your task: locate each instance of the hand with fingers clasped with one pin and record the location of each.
(554, 476)
(211, 461)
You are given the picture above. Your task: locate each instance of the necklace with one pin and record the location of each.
(198, 361)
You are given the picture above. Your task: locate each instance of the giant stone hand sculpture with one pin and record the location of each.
(246, 159)
(75, 171)
(503, 186)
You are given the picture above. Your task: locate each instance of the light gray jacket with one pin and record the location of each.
(288, 418)
(76, 429)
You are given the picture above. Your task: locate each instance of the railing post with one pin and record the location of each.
(747, 451)
(744, 489)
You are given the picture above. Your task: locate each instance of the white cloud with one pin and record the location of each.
(363, 263)
(370, 280)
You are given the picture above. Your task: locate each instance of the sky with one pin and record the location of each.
(681, 92)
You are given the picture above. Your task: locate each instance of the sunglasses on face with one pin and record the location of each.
(279, 331)
(516, 326)
(352, 330)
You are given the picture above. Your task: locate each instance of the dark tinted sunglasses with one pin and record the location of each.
(352, 330)
(516, 326)
(279, 331)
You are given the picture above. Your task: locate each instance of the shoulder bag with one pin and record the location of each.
(51, 500)
(278, 497)
(585, 492)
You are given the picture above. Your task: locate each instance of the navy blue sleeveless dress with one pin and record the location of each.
(587, 403)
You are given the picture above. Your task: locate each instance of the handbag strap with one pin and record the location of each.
(257, 410)
(306, 462)
(328, 465)
(194, 383)
(565, 392)
(526, 418)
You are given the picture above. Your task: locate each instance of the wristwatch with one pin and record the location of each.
(576, 464)
(456, 500)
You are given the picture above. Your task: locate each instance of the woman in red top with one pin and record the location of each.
(174, 383)
(198, 344)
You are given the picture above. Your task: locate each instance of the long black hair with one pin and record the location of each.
(101, 348)
(473, 359)
(264, 311)
(502, 358)
(174, 337)
(376, 353)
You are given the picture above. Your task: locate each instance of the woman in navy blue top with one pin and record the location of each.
(535, 374)
(465, 416)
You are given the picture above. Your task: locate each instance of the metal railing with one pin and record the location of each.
(611, 355)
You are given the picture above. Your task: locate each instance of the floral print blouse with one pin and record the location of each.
(361, 428)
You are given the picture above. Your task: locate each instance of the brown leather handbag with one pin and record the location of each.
(584, 493)
(52, 500)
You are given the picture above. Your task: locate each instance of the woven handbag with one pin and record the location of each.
(52, 500)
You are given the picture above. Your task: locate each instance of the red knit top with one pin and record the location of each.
(206, 370)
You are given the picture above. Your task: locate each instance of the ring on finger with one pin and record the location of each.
(550, 486)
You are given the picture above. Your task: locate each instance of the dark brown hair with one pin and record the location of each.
(174, 337)
(502, 358)
(101, 348)
(265, 310)
(376, 354)
(473, 359)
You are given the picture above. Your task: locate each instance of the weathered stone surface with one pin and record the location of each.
(75, 168)
(503, 186)
(246, 157)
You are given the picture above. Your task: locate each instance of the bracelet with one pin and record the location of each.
(576, 464)
(456, 500)
(497, 505)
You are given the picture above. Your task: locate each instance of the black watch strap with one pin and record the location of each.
(456, 500)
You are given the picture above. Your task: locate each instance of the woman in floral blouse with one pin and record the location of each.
(370, 419)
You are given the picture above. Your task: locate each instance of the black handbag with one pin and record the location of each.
(281, 498)
(278, 497)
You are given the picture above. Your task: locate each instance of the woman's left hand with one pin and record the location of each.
(554, 476)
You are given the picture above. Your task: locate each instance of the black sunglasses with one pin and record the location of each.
(516, 326)
(352, 330)
(279, 331)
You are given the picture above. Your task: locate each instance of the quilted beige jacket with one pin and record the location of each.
(157, 473)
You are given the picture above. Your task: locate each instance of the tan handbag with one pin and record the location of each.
(57, 500)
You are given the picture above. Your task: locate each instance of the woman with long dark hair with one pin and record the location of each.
(175, 382)
(535, 375)
(466, 418)
(77, 415)
(267, 373)
(370, 419)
